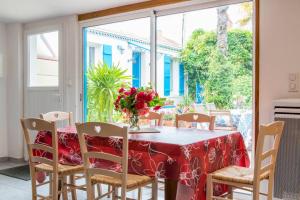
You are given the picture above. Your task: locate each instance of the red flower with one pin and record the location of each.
(126, 93)
(140, 105)
(156, 108)
(121, 90)
(149, 97)
(140, 96)
(132, 91)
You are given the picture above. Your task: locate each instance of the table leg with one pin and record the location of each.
(170, 189)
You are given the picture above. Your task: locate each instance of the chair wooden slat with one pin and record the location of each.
(93, 171)
(104, 156)
(158, 117)
(100, 129)
(266, 168)
(47, 161)
(42, 147)
(55, 116)
(196, 117)
(268, 154)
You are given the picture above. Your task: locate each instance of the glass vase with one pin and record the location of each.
(134, 122)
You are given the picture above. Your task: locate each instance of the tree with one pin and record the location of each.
(247, 8)
(196, 58)
(222, 29)
(223, 77)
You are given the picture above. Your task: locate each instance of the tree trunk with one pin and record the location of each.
(222, 29)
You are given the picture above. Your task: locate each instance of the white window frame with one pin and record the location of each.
(153, 13)
(41, 30)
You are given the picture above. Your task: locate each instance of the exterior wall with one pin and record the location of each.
(123, 58)
(3, 88)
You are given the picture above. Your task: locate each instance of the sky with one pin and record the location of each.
(171, 27)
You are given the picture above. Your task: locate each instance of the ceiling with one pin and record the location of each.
(32, 10)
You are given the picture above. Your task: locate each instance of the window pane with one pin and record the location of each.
(204, 64)
(123, 44)
(43, 60)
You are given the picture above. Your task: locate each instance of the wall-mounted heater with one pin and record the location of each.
(287, 173)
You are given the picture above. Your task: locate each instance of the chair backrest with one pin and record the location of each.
(196, 117)
(158, 117)
(57, 116)
(32, 125)
(265, 160)
(99, 129)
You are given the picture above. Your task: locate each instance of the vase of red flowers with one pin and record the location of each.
(136, 102)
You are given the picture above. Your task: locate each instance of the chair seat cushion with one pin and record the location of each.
(133, 181)
(62, 169)
(236, 174)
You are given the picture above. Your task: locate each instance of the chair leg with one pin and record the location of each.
(256, 187)
(108, 189)
(114, 194)
(230, 192)
(33, 183)
(55, 187)
(99, 189)
(73, 183)
(154, 189)
(90, 191)
(64, 188)
(50, 184)
(209, 187)
(270, 187)
(139, 193)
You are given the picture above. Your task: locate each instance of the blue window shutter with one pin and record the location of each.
(136, 69)
(107, 55)
(167, 75)
(181, 79)
(199, 90)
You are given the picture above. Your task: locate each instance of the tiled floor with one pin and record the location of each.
(15, 189)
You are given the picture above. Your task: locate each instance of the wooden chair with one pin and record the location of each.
(57, 172)
(226, 113)
(196, 117)
(248, 179)
(153, 116)
(57, 116)
(126, 182)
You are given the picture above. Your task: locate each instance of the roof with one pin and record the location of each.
(163, 42)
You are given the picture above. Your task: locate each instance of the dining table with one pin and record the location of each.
(181, 156)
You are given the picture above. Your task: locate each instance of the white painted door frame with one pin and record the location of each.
(56, 92)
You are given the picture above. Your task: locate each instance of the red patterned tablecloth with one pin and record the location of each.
(187, 155)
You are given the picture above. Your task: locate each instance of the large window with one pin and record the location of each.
(202, 63)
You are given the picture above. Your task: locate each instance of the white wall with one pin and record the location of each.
(3, 131)
(14, 89)
(279, 51)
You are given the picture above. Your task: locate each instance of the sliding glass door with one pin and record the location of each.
(201, 61)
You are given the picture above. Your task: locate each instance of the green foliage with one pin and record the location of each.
(224, 78)
(196, 57)
(218, 86)
(103, 85)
